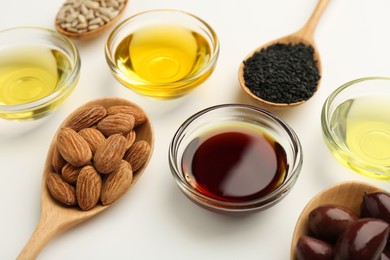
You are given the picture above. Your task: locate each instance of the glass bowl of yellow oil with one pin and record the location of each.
(356, 126)
(39, 68)
(162, 53)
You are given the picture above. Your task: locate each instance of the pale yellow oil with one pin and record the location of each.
(364, 126)
(162, 55)
(30, 73)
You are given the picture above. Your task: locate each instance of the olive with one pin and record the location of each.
(328, 222)
(385, 254)
(376, 205)
(309, 248)
(364, 239)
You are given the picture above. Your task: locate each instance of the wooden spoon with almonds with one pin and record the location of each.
(347, 194)
(55, 217)
(87, 27)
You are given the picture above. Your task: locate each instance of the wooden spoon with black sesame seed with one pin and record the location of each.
(303, 36)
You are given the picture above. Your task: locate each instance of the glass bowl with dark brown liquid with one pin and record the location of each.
(235, 158)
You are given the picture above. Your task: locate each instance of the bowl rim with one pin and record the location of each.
(242, 206)
(69, 81)
(370, 169)
(215, 47)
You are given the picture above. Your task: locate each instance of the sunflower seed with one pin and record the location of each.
(91, 4)
(82, 15)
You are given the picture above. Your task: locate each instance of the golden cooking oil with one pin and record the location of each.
(164, 55)
(28, 74)
(31, 73)
(364, 126)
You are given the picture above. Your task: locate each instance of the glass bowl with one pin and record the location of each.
(39, 68)
(162, 53)
(235, 159)
(356, 126)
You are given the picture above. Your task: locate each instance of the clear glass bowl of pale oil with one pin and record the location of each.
(39, 68)
(162, 53)
(356, 126)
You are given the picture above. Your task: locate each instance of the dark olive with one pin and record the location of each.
(327, 222)
(376, 205)
(309, 248)
(364, 239)
(385, 254)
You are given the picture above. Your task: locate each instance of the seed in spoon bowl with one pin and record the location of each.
(83, 18)
(284, 72)
(57, 216)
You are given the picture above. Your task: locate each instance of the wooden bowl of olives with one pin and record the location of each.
(350, 220)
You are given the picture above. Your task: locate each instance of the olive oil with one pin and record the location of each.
(235, 163)
(162, 55)
(364, 126)
(30, 73)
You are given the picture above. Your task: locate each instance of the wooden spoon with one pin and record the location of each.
(56, 218)
(346, 194)
(306, 36)
(91, 33)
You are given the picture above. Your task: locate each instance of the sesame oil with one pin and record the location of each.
(235, 163)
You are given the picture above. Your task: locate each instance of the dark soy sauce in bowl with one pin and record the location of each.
(235, 163)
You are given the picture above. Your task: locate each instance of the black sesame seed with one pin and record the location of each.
(282, 73)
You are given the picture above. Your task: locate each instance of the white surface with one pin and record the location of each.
(155, 220)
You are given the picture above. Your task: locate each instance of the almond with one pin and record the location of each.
(110, 153)
(93, 137)
(60, 190)
(70, 173)
(137, 113)
(87, 117)
(116, 183)
(57, 160)
(73, 148)
(137, 155)
(116, 124)
(88, 187)
(130, 137)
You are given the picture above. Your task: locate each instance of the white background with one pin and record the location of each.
(155, 220)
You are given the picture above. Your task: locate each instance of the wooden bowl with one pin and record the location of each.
(346, 194)
(92, 33)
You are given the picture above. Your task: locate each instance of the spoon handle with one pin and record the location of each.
(307, 31)
(46, 229)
